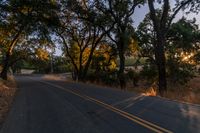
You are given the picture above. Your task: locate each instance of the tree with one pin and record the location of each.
(104, 59)
(161, 23)
(146, 39)
(181, 50)
(29, 49)
(120, 13)
(81, 34)
(23, 18)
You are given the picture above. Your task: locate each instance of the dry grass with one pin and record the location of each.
(7, 92)
(150, 92)
(185, 93)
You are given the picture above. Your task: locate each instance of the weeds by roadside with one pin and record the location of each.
(185, 93)
(189, 92)
(7, 93)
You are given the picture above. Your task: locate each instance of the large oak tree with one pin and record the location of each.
(162, 22)
(19, 18)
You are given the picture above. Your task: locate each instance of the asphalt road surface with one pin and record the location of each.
(43, 106)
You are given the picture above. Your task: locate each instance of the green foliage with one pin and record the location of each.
(150, 73)
(91, 76)
(104, 59)
(133, 61)
(61, 65)
(21, 20)
(183, 35)
(133, 76)
(108, 78)
(182, 50)
(179, 72)
(146, 38)
(94, 32)
(62, 68)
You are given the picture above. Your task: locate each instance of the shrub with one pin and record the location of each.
(91, 76)
(149, 72)
(133, 76)
(179, 72)
(109, 78)
(62, 68)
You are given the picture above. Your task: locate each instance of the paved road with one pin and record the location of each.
(43, 106)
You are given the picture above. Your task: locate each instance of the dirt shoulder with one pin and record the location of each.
(7, 93)
(186, 93)
(189, 92)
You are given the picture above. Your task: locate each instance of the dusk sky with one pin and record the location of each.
(141, 12)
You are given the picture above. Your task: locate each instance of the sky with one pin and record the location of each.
(140, 13)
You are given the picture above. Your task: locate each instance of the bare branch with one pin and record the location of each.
(176, 12)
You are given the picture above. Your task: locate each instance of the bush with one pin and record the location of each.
(91, 76)
(149, 72)
(108, 78)
(180, 72)
(182, 76)
(133, 76)
(62, 68)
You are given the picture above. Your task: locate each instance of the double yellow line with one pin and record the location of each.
(129, 116)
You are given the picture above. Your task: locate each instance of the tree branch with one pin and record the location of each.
(165, 14)
(153, 15)
(176, 12)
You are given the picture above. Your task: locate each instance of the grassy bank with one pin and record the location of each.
(7, 93)
(189, 92)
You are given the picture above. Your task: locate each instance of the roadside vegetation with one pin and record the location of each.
(7, 93)
(100, 43)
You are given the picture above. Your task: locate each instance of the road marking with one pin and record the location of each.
(133, 100)
(127, 115)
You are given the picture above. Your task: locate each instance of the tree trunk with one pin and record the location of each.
(74, 73)
(80, 72)
(161, 64)
(81, 77)
(5, 67)
(121, 75)
(122, 62)
(86, 67)
(3, 74)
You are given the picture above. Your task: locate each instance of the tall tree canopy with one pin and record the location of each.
(162, 22)
(120, 13)
(20, 18)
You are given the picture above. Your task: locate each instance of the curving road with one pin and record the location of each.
(43, 106)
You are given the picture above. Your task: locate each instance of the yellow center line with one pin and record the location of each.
(127, 115)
